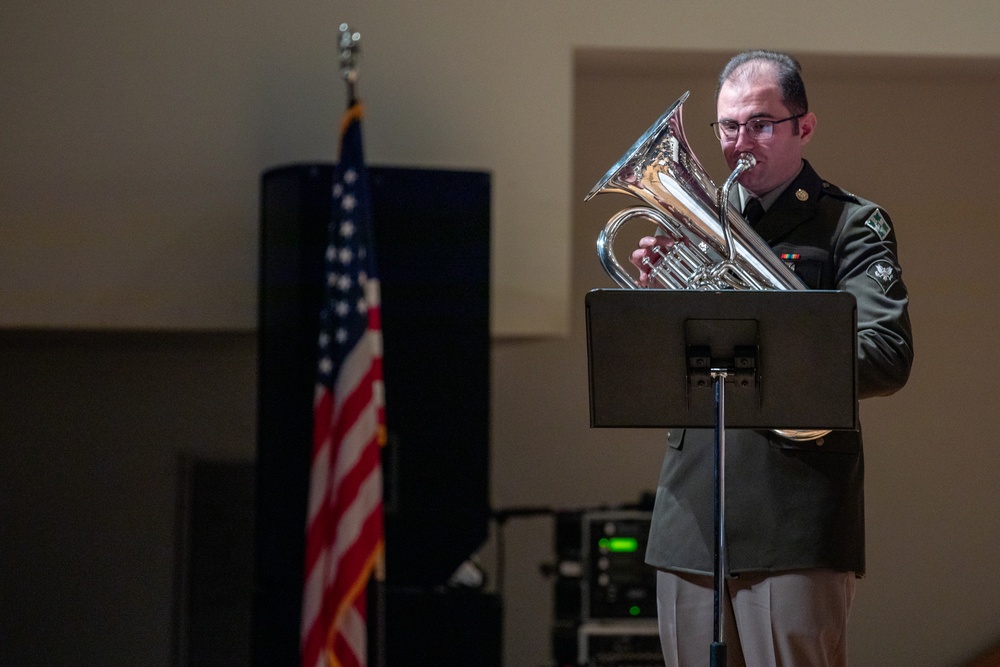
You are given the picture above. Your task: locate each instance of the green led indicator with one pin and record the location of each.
(619, 544)
(634, 611)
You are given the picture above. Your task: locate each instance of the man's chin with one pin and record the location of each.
(751, 184)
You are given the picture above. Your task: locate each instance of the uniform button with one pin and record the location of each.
(819, 442)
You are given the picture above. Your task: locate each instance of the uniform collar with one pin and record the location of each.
(768, 198)
(792, 206)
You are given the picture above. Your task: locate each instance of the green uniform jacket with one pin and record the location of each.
(795, 505)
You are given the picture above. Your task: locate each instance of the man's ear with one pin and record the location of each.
(806, 126)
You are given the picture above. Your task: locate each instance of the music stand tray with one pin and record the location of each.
(793, 355)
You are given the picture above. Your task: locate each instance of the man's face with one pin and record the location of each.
(778, 156)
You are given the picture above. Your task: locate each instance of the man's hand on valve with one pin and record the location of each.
(650, 251)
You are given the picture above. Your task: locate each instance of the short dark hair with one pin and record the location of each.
(787, 71)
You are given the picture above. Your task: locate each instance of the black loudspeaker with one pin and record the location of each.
(432, 240)
(443, 628)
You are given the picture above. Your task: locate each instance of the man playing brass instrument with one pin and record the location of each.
(795, 510)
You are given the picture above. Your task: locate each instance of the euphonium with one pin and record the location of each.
(713, 247)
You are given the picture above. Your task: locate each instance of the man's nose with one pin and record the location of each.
(743, 139)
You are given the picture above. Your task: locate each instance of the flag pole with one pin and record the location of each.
(349, 49)
(348, 56)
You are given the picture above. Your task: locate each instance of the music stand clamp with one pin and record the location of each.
(790, 359)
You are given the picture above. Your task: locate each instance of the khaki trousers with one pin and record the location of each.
(788, 619)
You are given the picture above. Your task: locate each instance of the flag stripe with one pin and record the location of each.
(348, 527)
(358, 449)
(328, 410)
(329, 561)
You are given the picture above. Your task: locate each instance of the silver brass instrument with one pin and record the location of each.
(713, 246)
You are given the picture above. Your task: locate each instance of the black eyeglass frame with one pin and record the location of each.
(720, 135)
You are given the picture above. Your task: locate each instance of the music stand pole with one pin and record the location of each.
(717, 651)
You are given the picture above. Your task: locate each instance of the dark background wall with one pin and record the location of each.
(93, 431)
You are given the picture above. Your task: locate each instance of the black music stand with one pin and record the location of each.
(667, 358)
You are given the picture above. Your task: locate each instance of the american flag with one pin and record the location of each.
(344, 530)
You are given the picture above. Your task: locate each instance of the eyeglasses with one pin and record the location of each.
(757, 128)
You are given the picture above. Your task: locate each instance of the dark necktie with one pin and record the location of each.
(753, 211)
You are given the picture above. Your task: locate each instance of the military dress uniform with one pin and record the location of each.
(795, 505)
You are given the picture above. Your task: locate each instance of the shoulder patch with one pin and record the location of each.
(878, 224)
(883, 273)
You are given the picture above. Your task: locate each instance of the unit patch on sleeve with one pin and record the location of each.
(884, 273)
(878, 224)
